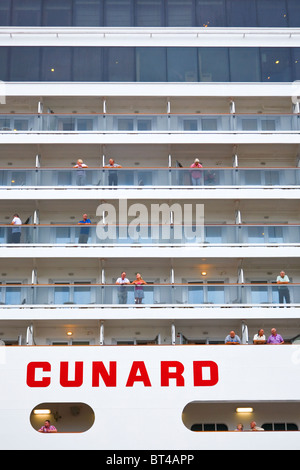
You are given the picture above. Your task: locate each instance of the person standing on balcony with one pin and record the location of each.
(138, 290)
(16, 230)
(196, 174)
(122, 293)
(112, 174)
(80, 174)
(284, 293)
(84, 231)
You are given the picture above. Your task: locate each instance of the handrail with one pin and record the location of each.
(148, 114)
(204, 284)
(89, 168)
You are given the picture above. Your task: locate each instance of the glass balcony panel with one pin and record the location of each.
(61, 295)
(13, 296)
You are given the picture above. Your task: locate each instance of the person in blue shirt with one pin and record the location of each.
(84, 231)
(232, 338)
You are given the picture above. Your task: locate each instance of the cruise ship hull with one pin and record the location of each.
(145, 397)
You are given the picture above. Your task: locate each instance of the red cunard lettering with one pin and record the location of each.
(64, 375)
(166, 374)
(134, 377)
(31, 369)
(205, 374)
(110, 379)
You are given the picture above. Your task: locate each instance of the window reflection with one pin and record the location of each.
(182, 64)
(276, 64)
(57, 13)
(213, 64)
(149, 13)
(27, 12)
(180, 13)
(272, 13)
(202, 13)
(210, 13)
(88, 13)
(244, 64)
(118, 13)
(150, 64)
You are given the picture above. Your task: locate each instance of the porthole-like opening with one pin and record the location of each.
(232, 416)
(63, 417)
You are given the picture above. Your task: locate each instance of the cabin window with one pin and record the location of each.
(66, 417)
(209, 427)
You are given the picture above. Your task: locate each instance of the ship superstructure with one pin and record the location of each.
(151, 87)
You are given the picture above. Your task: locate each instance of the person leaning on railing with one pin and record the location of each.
(232, 338)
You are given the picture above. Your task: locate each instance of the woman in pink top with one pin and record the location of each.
(196, 174)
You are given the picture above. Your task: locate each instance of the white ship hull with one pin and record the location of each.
(137, 401)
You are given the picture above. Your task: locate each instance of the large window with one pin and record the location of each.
(87, 13)
(210, 12)
(244, 64)
(150, 64)
(27, 12)
(57, 13)
(170, 13)
(272, 13)
(149, 13)
(182, 64)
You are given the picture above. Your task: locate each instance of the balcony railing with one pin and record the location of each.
(168, 234)
(175, 235)
(148, 177)
(149, 123)
(200, 294)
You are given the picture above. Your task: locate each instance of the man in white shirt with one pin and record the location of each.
(122, 294)
(284, 293)
(16, 230)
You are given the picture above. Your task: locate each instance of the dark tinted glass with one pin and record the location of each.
(118, 13)
(272, 13)
(24, 64)
(296, 63)
(120, 64)
(244, 64)
(57, 13)
(5, 13)
(149, 13)
(180, 13)
(241, 13)
(293, 13)
(4, 72)
(56, 64)
(27, 12)
(213, 64)
(182, 64)
(87, 64)
(276, 64)
(151, 64)
(87, 13)
(210, 13)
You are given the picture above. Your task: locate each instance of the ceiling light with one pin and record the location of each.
(244, 410)
(42, 412)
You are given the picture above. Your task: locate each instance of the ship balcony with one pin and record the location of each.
(149, 123)
(152, 235)
(148, 178)
(209, 298)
